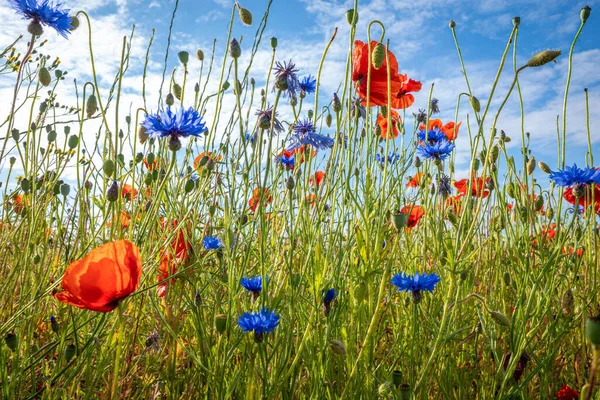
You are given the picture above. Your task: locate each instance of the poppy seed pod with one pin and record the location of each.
(221, 322)
(189, 186)
(352, 16)
(585, 13)
(397, 378)
(516, 21)
(225, 86)
(91, 106)
(44, 76)
(273, 42)
(543, 57)
(378, 55)
(405, 391)
(592, 330)
(109, 167)
(245, 15)
(73, 141)
(184, 57)
(235, 51)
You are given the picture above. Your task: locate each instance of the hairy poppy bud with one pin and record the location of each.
(494, 153)
(531, 166)
(184, 57)
(112, 194)
(273, 42)
(200, 55)
(328, 120)
(592, 330)
(170, 100)
(539, 203)
(245, 15)
(567, 303)
(35, 28)
(44, 76)
(550, 213)
(352, 16)
(476, 164)
(289, 183)
(221, 322)
(378, 55)
(338, 347)
(386, 390)
(544, 167)
(234, 49)
(177, 91)
(475, 103)
(189, 186)
(543, 57)
(500, 318)
(11, 341)
(585, 13)
(91, 106)
(516, 21)
(452, 24)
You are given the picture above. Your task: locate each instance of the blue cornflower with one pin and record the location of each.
(252, 284)
(286, 78)
(391, 158)
(305, 133)
(575, 175)
(45, 13)
(329, 295)
(287, 161)
(444, 186)
(307, 85)
(251, 137)
(194, 176)
(212, 243)
(264, 120)
(357, 109)
(182, 123)
(262, 322)
(433, 136)
(438, 151)
(415, 284)
(580, 210)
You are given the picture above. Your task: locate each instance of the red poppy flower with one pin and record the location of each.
(104, 277)
(383, 124)
(509, 207)
(590, 191)
(255, 199)
(19, 203)
(128, 192)
(361, 61)
(449, 129)
(402, 98)
(312, 199)
(566, 393)
(209, 156)
(415, 181)
(124, 220)
(317, 178)
(415, 213)
(151, 167)
(166, 268)
(571, 251)
(478, 187)
(455, 202)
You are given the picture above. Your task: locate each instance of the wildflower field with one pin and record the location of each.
(268, 239)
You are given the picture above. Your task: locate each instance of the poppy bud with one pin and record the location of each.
(360, 292)
(310, 114)
(567, 302)
(592, 330)
(531, 166)
(328, 120)
(112, 194)
(174, 143)
(397, 378)
(70, 351)
(491, 185)
(235, 51)
(44, 76)
(74, 23)
(451, 215)
(88, 185)
(544, 167)
(189, 186)
(378, 55)
(142, 135)
(108, 167)
(338, 347)
(245, 15)
(585, 13)
(418, 162)
(475, 164)
(539, 203)
(73, 141)
(550, 213)
(352, 16)
(200, 55)
(290, 184)
(177, 91)
(336, 104)
(500, 318)
(494, 153)
(405, 391)
(386, 390)
(510, 190)
(273, 42)
(475, 103)
(543, 57)
(91, 106)
(452, 24)
(11, 341)
(516, 21)
(221, 322)
(35, 28)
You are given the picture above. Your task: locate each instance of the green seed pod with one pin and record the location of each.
(184, 57)
(386, 390)
(475, 104)
(12, 160)
(592, 330)
(273, 42)
(539, 203)
(91, 106)
(43, 107)
(452, 217)
(212, 209)
(235, 51)
(221, 322)
(177, 91)
(189, 186)
(11, 341)
(399, 220)
(44, 77)
(109, 167)
(245, 15)
(226, 86)
(338, 347)
(70, 352)
(397, 378)
(37, 259)
(544, 167)
(149, 179)
(543, 58)
(531, 166)
(567, 303)
(73, 141)
(500, 318)
(510, 189)
(378, 55)
(516, 21)
(310, 114)
(65, 189)
(418, 162)
(585, 13)
(16, 135)
(139, 157)
(405, 391)
(351, 17)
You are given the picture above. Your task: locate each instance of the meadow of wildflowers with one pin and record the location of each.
(304, 245)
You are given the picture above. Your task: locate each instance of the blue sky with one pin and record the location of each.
(418, 33)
